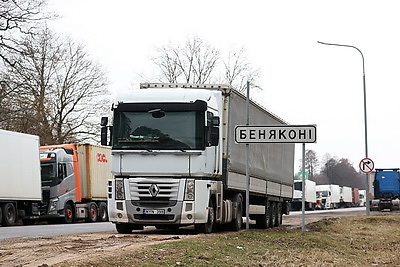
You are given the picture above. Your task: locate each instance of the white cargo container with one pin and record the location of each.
(346, 197)
(309, 196)
(20, 186)
(363, 197)
(329, 195)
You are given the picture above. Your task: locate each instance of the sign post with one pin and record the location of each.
(248, 134)
(367, 166)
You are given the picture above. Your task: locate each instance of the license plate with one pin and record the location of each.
(153, 212)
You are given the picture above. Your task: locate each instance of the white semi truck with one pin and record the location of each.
(175, 161)
(66, 182)
(20, 186)
(346, 197)
(329, 195)
(310, 198)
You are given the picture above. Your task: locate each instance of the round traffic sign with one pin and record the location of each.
(366, 165)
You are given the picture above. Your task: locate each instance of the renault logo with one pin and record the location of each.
(154, 190)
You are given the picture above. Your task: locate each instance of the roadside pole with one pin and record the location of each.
(247, 160)
(303, 198)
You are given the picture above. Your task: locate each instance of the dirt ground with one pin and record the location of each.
(73, 249)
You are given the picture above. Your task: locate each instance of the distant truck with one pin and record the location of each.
(65, 182)
(20, 186)
(74, 182)
(175, 161)
(363, 197)
(346, 197)
(329, 195)
(355, 197)
(309, 196)
(386, 190)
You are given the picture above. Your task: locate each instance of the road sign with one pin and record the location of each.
(276, 134)
(366, 165)
(300, 175)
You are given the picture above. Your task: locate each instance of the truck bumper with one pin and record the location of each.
(147, 210)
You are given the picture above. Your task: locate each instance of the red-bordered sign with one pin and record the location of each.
(366, 165)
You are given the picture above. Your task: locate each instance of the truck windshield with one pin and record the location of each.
(49, 173)
(298, 186)
(323, 194)
(159, 130)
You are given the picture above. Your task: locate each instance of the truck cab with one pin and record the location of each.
(386, 190)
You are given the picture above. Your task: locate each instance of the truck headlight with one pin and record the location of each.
(189, 190)
(53, 205)
(119, 189)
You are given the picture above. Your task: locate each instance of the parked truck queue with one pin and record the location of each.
(65, 182)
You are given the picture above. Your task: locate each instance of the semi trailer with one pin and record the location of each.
(20, 184)
(309, 195)
(175, 161)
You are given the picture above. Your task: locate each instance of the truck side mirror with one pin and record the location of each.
(104, 130)
(104, 121)
(214, 136)
(214, 121)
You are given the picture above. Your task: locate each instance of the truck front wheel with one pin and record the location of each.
(9, 214)
(207, 227)
(124, 228)
(69, 213)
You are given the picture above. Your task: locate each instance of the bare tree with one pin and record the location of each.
(238, 71)
(198, 62)
(19, 18)
(192, 63)
(57, 90)
(311, 163)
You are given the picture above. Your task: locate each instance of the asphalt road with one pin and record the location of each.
(54, 229)
(78, 228)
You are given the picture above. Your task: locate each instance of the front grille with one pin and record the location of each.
(153, 217)
(160, 192)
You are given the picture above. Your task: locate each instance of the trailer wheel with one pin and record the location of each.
(102, 213)
(273, 214)
(93, 212)
(263, 221)
(278, 220)
(9, 214)
(1, 216)
(236, 223)
(207, 227)
(69, 213)
(124, 228)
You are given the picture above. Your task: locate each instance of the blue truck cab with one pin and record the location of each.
(386, 190)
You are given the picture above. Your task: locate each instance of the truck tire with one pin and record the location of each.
(69, 213)
(124, 228)
(102, 215)
(263, 221)
(236, 224)
(273, 214)
(9, 213)
(1, 216)
(278, 214)
(207, 228)
(92, 212)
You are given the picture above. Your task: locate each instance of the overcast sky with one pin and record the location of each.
(304, 82)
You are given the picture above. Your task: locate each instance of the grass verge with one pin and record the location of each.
(353, 241)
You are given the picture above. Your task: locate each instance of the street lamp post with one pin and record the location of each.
(365, 115)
